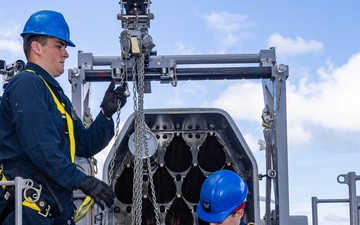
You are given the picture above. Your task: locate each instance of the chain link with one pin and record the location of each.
(137, 179)
(111, 170)
(117, 129)
(152, 187)
(141, 145)
(123, 78)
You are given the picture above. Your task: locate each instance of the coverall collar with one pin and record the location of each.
(39, 70)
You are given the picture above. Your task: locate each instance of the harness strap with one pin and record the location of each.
(32, 199)
(83, 209)
(61, 108)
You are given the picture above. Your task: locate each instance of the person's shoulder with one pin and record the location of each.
(26, 75)
(27, 78)
(24, 81)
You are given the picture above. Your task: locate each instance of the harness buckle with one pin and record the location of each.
(47, 211)
(31, 193)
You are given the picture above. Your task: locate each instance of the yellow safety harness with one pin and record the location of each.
(88, 202)
(61, 108)
(32, 199)
(34, 203)
(38, 204)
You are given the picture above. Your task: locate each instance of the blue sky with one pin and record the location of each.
(319, 40)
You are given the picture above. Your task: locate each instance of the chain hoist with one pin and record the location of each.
(141, 145)
(135, 45)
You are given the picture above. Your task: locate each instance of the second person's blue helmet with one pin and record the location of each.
(49, 23)
(221, 193)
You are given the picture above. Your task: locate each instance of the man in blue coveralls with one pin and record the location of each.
(40, 133)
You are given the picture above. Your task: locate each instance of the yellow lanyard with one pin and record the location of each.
(3, 178)
(61, 108)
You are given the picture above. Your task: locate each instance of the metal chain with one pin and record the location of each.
(117, 129)
(156, 208)
(141, 146)
(148, 162)
(111, 170)
(138, 169)
(123, 77)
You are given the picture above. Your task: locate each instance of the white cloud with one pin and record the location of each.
(226, 22)
(229, 28)
(10, 29)
(327, 215)
(180, 49)
(10, 39)
(328, 101)
(331, 102)
(175, 102)
(197, 89)
(243, 100)
(11, 45)
(297, 46)
(180, 96)
(298, 135)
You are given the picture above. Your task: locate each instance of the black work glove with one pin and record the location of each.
(98, 190)
(110, 103)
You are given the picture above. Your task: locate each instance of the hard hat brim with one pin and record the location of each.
(212, 217)
(68, 41)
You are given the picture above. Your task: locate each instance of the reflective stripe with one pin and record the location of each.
(61, 108)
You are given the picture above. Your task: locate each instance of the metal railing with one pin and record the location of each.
(19, 184)
(349, 179)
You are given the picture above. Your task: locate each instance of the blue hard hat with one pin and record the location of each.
(49, 23)
(221, 193)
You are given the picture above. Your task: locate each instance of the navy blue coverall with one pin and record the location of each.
(32, 139)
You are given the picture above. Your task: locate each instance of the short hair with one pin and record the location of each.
(29, 38)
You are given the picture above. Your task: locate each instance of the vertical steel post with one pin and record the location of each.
(350, 179)
(275, 99)
(314, 202)
(19, 186)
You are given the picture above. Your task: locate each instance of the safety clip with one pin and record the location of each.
(47, 211)
(33, 196)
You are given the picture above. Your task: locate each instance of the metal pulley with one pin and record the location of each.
(134, 42)
(149, 149)
(125, 43)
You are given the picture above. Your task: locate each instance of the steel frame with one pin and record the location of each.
(174, 68)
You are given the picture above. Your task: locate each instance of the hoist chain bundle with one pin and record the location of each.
(141, 145)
